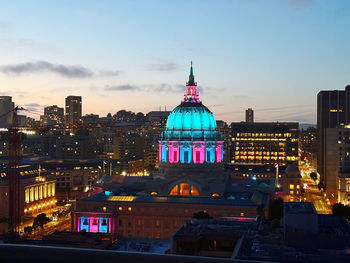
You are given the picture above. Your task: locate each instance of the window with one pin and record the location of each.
(32, 194)
(198, 156)
(27, 195)
(36, 192)
(41, 192)
(175, 190)
(53, 189)
(186, 156)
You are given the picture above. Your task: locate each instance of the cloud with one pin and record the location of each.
(110, 73)
(153, 88)
(162, 67)
(122, 88)
(67, 71)
(166, 88)
(36, 105)
(44, 66)
(299, 4)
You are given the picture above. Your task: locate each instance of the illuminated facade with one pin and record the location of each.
(152, 216)
(191, 135)
(265, 143)
(37, 188)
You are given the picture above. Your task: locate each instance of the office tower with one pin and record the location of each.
(73, 110)
(6, 106)
(249, 115)
(265, 143)
(53, 115)
(333, 110)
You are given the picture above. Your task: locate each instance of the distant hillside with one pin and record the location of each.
(304, 126)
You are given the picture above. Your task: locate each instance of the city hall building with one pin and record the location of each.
(190, 178)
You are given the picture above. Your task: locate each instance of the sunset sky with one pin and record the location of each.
(273, 55)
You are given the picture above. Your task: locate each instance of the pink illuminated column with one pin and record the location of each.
(93, 224)
(78, 224)
(160, 152)
(218, 152)
(173, 152)
(198, 152)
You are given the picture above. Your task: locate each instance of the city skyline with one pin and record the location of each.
(252, 54)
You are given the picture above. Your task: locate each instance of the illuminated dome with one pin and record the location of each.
(191, 135)
(191, 120)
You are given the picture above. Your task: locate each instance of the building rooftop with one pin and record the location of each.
(205, 200)
(215, 228)
(299, 208)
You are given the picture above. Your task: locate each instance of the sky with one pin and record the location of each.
(270, 55)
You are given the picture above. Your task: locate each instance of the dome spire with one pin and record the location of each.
(191, 88)
(191, 81)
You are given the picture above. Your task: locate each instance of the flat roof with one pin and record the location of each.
(172, 199)
(299, 208)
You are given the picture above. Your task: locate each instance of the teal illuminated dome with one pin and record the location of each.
(191, 120)
(191, 135)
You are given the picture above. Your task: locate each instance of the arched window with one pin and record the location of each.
(184, 189)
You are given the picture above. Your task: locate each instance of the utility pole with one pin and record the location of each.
(13, 171)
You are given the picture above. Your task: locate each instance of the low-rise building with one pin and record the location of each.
(153, 216)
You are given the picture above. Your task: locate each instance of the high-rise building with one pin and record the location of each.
(249, 115)
(333, 110)
(53, 115)
(6, 106)
(73, 110)
(337, 163)
(265, 143)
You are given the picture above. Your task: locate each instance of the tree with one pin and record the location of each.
(321, 186)
(276, 209)
(201, 215)
(28, 230)
(40, 220)
(313, 176)
(260, 211)
(341, 210)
